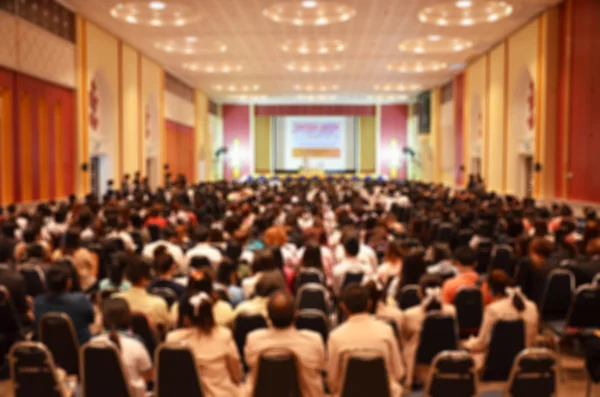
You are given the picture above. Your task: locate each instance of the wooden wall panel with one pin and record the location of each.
(368, 145)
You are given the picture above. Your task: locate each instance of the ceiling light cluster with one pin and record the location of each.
(309, 13)
(319, 97)
(314, 67)
(307, 47)
(154, 13)
(212, 68)
(249, 98)
(416, 66)
(316, 87)
(397, 87)
(435, 45)
(388, 98)
(236, 88)
(466, 13)
(191, 45)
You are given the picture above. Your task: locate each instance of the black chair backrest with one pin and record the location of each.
(242, 326)
(169, 295)
(34, 279)
(506, 342)
(558, 295)
(102, 372)
(176, 373)
(452, 370)
(534, 374)
(463, 237)
(503, 259)
(484, 254)
(313, 320)
(57, 332)
(365, 375)
(32, 371)
(437, 334)
(445, 233)
(408, 297)
(11, 329)
(585, 309)
(469, 309)
(309, 275)
(312, 296)
(140, 326)
(277, 375)
(352, 278)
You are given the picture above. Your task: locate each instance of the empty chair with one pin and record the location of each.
(313, 320)
(57, 332)
(437, 334)
(242, 326)
(35, 283)
(469, 310)
(408, 297)
(365, 375)
(451, 370)
(313, 296)
(352, 277)
(534, 373)
(503, 259)
(141, 326)
(584, 312)
(557, 297)
(102, 373)
(309, 275)
(506, 342)
(176, 373)
(484, 254)
(277, 375)
(33, 371)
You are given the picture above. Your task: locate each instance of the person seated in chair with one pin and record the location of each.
(306, 346)
(466, 263)
(362, 331)
(350, 264)
(215, 352)
(165, 268)
(168, 240)
(60, 299)
(268, 283)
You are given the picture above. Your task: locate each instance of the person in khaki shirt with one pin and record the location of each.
(362, 331)
(412, 323)
(307, 346)
(215, 352)
(155, 307)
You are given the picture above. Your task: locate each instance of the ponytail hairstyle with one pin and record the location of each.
(517, 298)
(431, 289)
(116, 316)
(198, 309)
(117, 268)
(376, 293)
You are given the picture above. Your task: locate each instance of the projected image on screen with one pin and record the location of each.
(324, 143)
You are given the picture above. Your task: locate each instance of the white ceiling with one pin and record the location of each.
(254, 42)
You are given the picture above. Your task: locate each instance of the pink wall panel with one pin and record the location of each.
(394, 119)
(236, 137)
(314, 110)
(584, 134)
(459, 125)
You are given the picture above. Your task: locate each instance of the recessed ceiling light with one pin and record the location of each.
(212, 67)
(237, 87)
(305, 47)
(191, 39)
(426, 46)
(189, 46)
(388, 98)
(417, 66)
(315, 14)
(157, 5)
(131, 19)
(314, 67)
(249, 98)
(434, 37)
(316, 87)
(465, 13)
(397, 87)
(156, 22)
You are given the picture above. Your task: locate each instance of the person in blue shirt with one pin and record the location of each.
(60, 299)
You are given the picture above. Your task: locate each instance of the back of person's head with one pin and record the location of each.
(198, 309)
(60, 216)
(465, 256)
(168, 232)
(30, 235)
(352, 244)
(394, 251)
(163, 262)
(58, 279)
(71, 239)
(233, 250)
(35, 251)
(498, 281)
(227, 273)
(413, 266)
(430, 286)
(137, 270)
(540, 250)
(275, 236)
(8, 229)
(281, 309)
(263, 261)
(268, 283)
(312, 256)
(6, 250)
(278, 257)
(376, 294)
(201, 234)
(199, 262)
(200, 280)
(116, 315)
(355, 299)
(117, 268)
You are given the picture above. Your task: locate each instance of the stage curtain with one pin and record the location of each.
(367, 144)
(262, 144)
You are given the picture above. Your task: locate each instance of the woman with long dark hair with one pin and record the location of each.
(84, 261)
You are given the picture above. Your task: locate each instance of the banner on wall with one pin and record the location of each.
(315, 138)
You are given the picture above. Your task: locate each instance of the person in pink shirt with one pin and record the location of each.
(466, 263)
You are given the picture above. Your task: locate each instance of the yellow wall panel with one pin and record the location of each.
(203, 150)
(497, 120)
(368, 143)
(262, 144)
(435, 139)
(130, 128)
(152, 121)
(475, 117)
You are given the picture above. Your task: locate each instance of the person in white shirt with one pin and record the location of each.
(215, 352)
(350, 264)
(134, 355)
(366, 255)
(306, 346)
(169, 234)
(362, 331)
(203, 248)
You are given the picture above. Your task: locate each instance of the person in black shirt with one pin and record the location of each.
(165, 285)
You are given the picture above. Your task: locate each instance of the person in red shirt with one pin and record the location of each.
(156, 218)
(466, 263)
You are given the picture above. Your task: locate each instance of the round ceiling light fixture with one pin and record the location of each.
(397, 87)
(309, 13)
(191, 45)
(212, 68)
(316, 87)
(466, 13)
(307, 47)
(417, 66)
(314, 67)
(236, 87)
(437, 46)
(154, 13)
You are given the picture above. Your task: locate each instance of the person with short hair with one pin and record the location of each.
(351, 263)
(306, 346)
(215, 352)
(85, 262)
(168, 240)
(268, 283)
(59, 298)
(362, 331)
(465, 262)
(203, 248)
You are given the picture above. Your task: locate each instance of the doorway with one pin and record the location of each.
(99, 175)
(151, 172)
(526, 176)
(475, 166)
